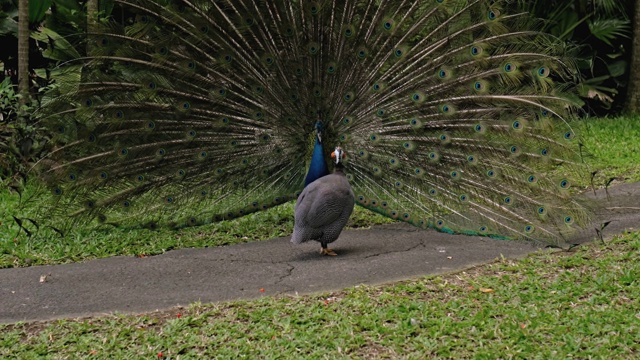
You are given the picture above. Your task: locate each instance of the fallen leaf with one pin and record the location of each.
(92, 352)
(486, 290)
(261, 290)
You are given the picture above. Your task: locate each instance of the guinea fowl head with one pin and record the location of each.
(338, 156)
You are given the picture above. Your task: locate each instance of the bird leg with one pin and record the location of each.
(326, 251)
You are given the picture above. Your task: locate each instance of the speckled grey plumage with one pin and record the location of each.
(323, 209)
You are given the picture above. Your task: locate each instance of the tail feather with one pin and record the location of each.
(455, 114)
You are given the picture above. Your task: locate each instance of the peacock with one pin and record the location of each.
(455, 115)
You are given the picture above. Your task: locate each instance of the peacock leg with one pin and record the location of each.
(326, 251)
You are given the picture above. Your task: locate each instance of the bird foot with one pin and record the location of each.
(327, 251)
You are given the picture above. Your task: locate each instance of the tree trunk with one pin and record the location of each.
(92, 21)
(23, 51)
(633, 90)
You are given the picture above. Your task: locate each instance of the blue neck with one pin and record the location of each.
(318, 167)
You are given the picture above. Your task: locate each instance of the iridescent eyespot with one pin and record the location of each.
(517, 125)
(543, 72)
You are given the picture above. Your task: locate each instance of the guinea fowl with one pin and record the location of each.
(457, 116)
(324, 206)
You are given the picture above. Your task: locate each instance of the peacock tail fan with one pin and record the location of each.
(456, 115)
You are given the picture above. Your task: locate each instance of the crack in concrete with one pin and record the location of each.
(421, 243)
(289, 272)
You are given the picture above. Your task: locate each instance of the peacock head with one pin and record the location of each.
(319, 131)
(338, 155)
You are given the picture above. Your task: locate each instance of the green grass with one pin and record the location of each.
(612, 148)
(582, 304)
(47, 247)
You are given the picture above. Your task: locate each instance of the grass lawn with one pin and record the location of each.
(581, 304)
(613, 148)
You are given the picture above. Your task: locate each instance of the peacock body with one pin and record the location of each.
(455, 115)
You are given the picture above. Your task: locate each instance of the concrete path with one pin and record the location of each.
(180, 277)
